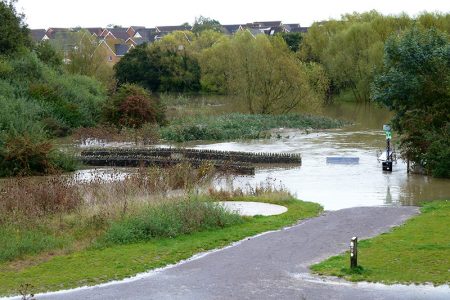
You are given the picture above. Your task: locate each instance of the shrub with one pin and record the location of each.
(170, 220)
(133, 106)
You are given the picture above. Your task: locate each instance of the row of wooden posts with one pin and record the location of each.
(237, 162)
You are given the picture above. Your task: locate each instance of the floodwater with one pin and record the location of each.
(334, 186)
(337, 186)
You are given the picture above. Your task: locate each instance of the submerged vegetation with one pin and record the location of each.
(240, 126)
(416, 252)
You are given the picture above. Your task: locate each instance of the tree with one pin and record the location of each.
(415, 85)
(84, 56)
(204, 23)
(48, 54)
(262, 72)
(133, 106)
(159, 67)
(292, 39)
(14, 33)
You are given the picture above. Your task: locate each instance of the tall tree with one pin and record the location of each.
(13, 30)
(204, 23)
(159, 67)
(262, 72)
(416, 86)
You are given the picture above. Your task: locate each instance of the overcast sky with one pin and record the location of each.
(100, 13)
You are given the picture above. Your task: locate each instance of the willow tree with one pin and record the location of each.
(351, 49)
(261, 71)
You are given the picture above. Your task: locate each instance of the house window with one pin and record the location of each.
(110, 58)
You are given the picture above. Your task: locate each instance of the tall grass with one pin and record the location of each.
(240, 126)
(170, 220)
(58, 214)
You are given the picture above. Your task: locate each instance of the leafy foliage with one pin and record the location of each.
(204, 23)
(13, 30)
(415, 86)
(351, 49)
(48, 54)
(133, 106)
(159, 68)
(261, 71)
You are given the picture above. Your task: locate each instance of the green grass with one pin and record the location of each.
(18, 243)
(94, 266)
(416, 252)
(240, 126)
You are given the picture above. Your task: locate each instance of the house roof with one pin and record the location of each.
(255, 31)
(52, 32)
(94, 30)
(274, 30)
(121, 49)
(147, 34)
(119, 33)
(136, 27)
(265, 24)
(231, 29)
(37, 35)
(172, 28)
(299, 29)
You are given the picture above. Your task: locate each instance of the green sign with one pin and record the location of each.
(388, 135)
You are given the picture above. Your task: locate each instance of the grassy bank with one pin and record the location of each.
(416, 252)
(240, 126)
(100, 264)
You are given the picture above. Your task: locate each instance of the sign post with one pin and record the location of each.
(387, 164)
(354, 252)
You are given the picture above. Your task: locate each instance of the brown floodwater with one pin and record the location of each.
(338, 186)
(335, 186)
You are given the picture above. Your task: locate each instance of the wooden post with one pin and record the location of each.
(354, 252)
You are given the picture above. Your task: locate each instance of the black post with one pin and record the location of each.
(354, 252)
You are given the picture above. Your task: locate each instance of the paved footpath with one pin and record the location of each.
(272, 266)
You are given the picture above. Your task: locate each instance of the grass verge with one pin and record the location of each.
(94, 266)
(416, 252)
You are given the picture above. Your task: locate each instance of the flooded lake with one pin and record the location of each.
(338, 186)
(335, 186)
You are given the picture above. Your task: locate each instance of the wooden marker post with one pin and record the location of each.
(354, 252)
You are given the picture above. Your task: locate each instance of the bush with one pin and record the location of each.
(133, 106)
(438, 157)
(170, 220)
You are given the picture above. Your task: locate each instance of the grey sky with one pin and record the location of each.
(65, 13)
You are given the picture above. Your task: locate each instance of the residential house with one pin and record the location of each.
(131, 31)
(115, 52)
(95, 31)
(38, 35)
(232, 29)
(169, 29)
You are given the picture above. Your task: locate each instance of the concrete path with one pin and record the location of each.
(272, 266)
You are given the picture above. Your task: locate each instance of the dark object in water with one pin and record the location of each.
(343, 160)
(387, 166)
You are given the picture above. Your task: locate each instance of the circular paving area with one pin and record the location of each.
(245, 208)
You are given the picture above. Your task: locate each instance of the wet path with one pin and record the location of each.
(271, 266)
